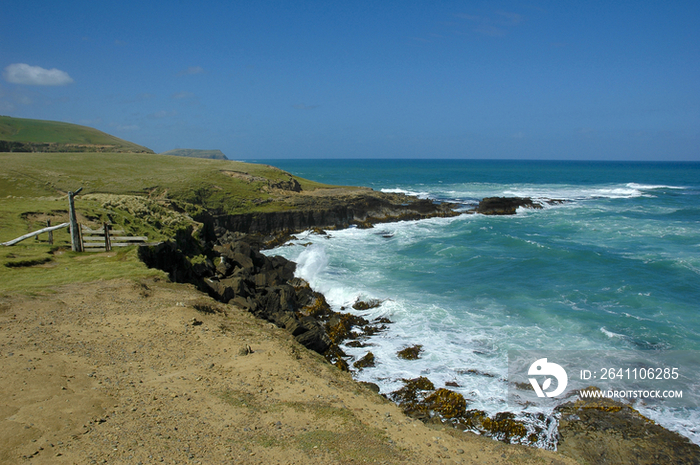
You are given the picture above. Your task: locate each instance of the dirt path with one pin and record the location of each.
(126, 372)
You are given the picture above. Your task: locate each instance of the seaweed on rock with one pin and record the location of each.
(410, 353)
(364, 362)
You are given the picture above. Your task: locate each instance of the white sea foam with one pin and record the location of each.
(573, 193)
(396, 190)
(473, 192)
(310, 262)
(685, 422)
(634, 185)
(612, 335)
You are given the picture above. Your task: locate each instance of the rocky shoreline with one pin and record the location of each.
(231, 268)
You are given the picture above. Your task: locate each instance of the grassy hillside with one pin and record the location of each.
(226, 186)
(20, 134)
(145, 194)
(194, 153)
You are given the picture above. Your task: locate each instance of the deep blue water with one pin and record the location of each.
(616, 267)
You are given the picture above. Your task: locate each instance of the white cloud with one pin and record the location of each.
(22, 73)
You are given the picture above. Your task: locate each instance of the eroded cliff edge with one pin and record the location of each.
(329, 209)
(225, 260)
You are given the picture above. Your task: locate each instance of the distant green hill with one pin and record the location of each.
(32, 135)
(194, 153)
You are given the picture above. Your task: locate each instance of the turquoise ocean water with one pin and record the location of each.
(616, 267)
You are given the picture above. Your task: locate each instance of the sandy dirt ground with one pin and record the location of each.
(155, 372)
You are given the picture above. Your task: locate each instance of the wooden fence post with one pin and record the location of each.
(75, 240)
(108, 242)
(48, 225)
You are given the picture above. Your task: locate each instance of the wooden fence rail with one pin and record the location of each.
(84, 239)
(103, 239)
(90, 240)
(36, 233)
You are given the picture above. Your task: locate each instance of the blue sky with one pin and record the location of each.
(364, 79)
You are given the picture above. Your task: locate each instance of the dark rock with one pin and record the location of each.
(340, 326)
(504, 205)
(409, 397)
(315, 339)
(240, 260)
(366, 305)
(226, 289)
(410, 353)
(356, 344)
(223, 266)
(448, 404)
(246, 303)
(204, 269)
(365, 362)
(502, 426)
(219, 291)
(291, 323)
(509, 205)
(246, 273)
(273, 300)
(261, 280)
(369, 330)
(605, 431)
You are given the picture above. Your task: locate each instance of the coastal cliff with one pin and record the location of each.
(230, 267)
(330, 209)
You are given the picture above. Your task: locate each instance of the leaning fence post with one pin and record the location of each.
(108, 241)
(75, 240)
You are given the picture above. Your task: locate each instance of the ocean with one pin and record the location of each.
(614, 268)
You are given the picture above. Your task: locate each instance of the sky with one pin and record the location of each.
(567, 80)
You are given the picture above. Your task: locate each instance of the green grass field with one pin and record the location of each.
(137, 192)
(223, 185)
(34, 265)
(142, 193)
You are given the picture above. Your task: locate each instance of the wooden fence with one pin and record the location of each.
(105, 238)
(84, 239)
